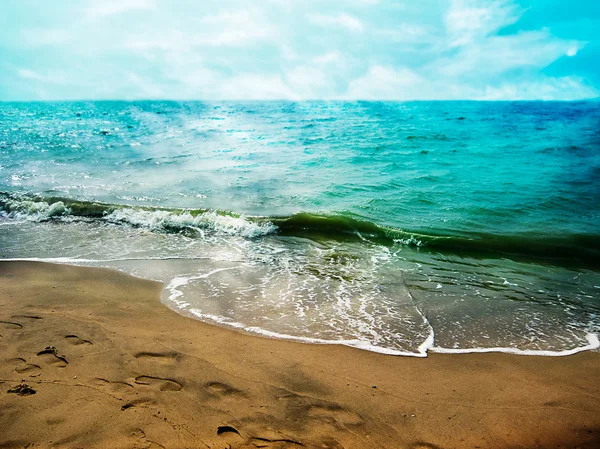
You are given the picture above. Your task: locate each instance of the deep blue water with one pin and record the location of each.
(376, 224)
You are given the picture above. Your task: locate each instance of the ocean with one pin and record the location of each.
(401, 228)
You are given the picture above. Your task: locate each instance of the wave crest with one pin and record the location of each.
(156, 219)
(581, 250)
(34, 210)
(212, 221)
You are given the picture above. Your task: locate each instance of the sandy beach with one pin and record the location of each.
(91, 358)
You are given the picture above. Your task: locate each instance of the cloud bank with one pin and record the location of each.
(289, 49)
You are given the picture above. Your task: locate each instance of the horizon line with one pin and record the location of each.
(288, 100)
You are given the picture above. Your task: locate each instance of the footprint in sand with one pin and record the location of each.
(51, 357)
(319, 412)
(31, 318)
(223, 390)
(423, 445)
(281, 443)
(143, 441)
(142, 402)
(333, 413)
(115, 387)
(22, 390)
(159, 382)
(24, 368)
(160, 357)
(11, 325)
(76, 341)
(230, 436)
(234, 439)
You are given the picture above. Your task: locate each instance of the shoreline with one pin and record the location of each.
(130, 372)
(426, 348)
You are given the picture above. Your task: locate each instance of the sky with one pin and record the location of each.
(299, 49)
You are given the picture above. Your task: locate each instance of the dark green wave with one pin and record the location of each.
(581, 250)
(572, 249)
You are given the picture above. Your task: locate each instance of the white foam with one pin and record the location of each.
(151, 219)
(76, 260)
(35, 210)
(409, 241)
(59, 260)
(180, 281)
(428, 343)
(164, 220)
(593, 343)
(359, 344)
(174, 295)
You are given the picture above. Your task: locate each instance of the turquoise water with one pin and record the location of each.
(395, 227)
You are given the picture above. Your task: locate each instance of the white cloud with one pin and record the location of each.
(225, 29)
(29, 74)
(387, 83)
(51, 36)
(331, 57)
(172, 41)
(235, 28)
(496, 55)
(309, 82)
(548, 88)
(105, 8)
(263, 51)
(342, 20)
(363, 2)
(51, 77)
(469, 20)
(144, 88)
(481, 61)
(408, 33)
(252, 86)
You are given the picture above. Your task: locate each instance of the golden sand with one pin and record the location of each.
(91, 358)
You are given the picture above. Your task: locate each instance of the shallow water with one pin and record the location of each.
(395, 227)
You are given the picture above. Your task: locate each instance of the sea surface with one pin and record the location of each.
(401, 228)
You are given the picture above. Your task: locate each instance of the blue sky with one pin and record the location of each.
(299, 49)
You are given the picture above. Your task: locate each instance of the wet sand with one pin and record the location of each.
(91, 358)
